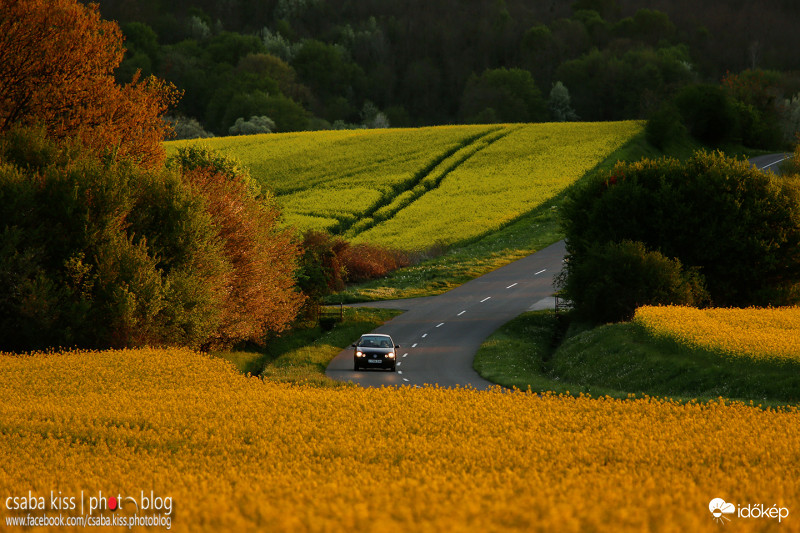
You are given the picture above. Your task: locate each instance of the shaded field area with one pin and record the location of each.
(537, 351)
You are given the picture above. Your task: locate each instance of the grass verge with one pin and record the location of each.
(623, 359)
(303, 354)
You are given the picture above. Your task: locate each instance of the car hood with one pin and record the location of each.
(371, 351)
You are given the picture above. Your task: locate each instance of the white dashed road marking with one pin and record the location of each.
(776, 162)
(512, 285)
(440, 325)
(487, 298)
(542, 270)
(414, 345)
(461, 313)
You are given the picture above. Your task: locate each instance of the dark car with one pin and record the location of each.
(375, 351)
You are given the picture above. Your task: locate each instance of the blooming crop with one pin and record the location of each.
(236, 453)
(766, 333)
(506, 176)
(412, 188)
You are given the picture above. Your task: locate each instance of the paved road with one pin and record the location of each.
(440, 335)
(769, 162)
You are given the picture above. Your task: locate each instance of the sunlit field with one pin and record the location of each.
(413, 188)
(771, 333)
(238, 454)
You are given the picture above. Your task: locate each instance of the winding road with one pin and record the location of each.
(439, 335)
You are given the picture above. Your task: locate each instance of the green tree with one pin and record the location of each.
(708, 112)
(605, 85)
(286, 114)
(510, 93)
(646, 26)
(559, 103)
(330, 74)
(230, 47)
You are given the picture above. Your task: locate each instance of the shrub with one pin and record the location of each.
(321, 270)
(613, 279)
(188, 128)
(664, 126)
(329, 262)
(101, 254)
(364, 262)
(791, 165)
(256, 124)
(739, 226)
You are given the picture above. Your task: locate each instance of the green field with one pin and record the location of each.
(416, 188)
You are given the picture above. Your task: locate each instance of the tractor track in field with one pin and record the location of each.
(450, 159)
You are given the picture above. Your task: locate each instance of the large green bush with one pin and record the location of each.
(101, 254)
(613, 279)
(738, 226)
(98, 254)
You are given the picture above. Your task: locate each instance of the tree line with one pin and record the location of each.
(311, 64)
(106, 242)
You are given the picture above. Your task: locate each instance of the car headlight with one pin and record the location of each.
(390, 354)
(359, 354)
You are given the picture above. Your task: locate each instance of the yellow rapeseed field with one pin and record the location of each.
(416, 187)
(501, 181)
(760, 333)
(234, 453)
(323, 177)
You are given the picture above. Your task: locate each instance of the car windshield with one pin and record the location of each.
(373, 341)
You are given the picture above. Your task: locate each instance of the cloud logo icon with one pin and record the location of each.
(719, 508)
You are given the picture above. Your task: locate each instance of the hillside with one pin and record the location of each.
(414, 188)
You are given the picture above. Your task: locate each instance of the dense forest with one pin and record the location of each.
(312, 64)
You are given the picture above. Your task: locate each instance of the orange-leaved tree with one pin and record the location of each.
(260, 293)
(57, 62)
